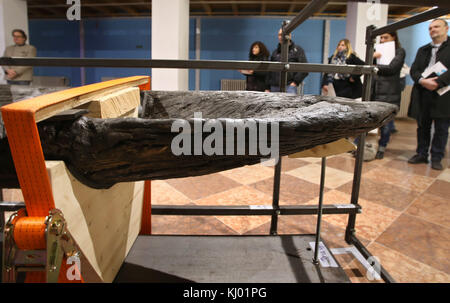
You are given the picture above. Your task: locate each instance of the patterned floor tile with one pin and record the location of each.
(432, 208)
(347, 164)
(423, 170)
(249, 174)
(445, 175)
(404, 269)
(199, 187)
(311, 173)
(423, 241)
(242, 195)
(189, 225)
(440, 188)
(163, 193)
(385, 194)
(399, 178)
(293, 191)
(288, 164)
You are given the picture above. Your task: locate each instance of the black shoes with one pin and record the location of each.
(379, 155)
(436, 165)
(416, 159)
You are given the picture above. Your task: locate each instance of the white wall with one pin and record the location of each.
(359, 16)
(170, 40)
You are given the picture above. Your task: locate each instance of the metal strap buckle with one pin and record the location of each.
(59, 243)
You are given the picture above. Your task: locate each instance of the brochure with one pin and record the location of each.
(435, 71)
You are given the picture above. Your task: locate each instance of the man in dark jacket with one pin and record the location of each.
(294, 79)
(426, 104)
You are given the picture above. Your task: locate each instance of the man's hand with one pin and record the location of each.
(246, 72)
(325, 88)
(429, 83)
(293, 84)
(377, 55)
(11, 74)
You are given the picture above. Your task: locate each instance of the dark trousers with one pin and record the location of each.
(385, 133)
(440, 136)
(13, 82)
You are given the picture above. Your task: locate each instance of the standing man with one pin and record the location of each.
(294, 79)
(426, 104)
(19, 75)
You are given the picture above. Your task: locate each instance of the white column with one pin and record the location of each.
(359, 16)
(13, 14)
(170, 40)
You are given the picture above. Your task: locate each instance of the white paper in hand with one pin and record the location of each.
(387, 51)
(437, 69)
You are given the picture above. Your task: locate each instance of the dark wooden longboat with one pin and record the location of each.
(102, 152)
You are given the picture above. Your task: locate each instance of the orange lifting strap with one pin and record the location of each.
(20, 120)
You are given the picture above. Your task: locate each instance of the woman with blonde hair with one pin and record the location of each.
(345, 85)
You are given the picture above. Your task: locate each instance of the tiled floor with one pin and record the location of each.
(405, 220)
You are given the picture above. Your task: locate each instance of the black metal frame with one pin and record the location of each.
(283, 67)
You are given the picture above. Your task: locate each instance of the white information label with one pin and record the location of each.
(325, 257)
(345, 206)
(260, 206)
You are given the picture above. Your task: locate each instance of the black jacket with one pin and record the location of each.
(346, 88)
(386, 86)
(257, 80)
(421, 97)
(296, 54)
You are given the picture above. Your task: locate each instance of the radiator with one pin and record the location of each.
(404, 103)
(232, 84)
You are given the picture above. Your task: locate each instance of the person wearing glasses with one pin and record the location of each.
(19, 75)
(430, 99)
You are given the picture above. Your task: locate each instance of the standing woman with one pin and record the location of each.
(387, 86)
(256, 80)
(345, 85)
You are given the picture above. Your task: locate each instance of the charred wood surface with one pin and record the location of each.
(102, 152)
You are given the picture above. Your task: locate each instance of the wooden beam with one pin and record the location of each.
(235, 8)
(292, 7)
(206, 8)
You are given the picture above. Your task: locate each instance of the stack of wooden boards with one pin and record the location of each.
(104, 223)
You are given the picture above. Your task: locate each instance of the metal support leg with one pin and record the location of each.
(350, 230)
(277, 176)
(319, 215)
(276, 198)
